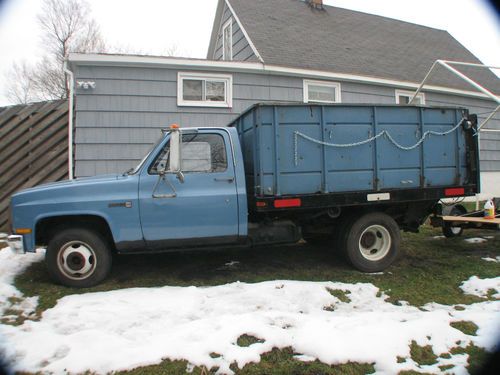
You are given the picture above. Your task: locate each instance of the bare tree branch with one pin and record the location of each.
(67, 27)
(20, 86)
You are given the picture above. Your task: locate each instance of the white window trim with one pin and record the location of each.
(228, 81)
(228, 23)
(409, 94)
(336, 85)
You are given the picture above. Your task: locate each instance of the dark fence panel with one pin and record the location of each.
(33, 148)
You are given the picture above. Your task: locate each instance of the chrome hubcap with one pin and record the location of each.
(375, 242)
(76, 260)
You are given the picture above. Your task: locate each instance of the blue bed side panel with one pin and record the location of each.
(277, 162)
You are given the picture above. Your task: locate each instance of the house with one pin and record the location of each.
(270, 50)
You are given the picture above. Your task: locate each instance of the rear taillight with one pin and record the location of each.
(453, 192)
(283, 203)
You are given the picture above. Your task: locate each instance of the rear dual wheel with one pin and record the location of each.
(371, 242)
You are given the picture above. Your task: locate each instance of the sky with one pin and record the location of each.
(154, 27)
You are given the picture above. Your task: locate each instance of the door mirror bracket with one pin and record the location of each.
(180, 176)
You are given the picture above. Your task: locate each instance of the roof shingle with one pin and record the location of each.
(290, 33)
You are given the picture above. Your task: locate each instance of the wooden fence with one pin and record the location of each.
(33, 148)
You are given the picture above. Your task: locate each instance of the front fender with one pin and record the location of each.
(123, 227)
(30, 243)
(112, 199)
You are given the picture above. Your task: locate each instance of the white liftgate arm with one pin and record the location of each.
(447, 64)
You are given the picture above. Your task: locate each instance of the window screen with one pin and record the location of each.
(321, 93)
(405, 99)
(215, 91)
(192, 89)
(201, 90)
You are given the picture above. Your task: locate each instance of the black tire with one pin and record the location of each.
(450, 231)
(78, 258)
(341, 230)
(371, 242)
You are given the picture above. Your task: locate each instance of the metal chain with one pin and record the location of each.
(297, 134)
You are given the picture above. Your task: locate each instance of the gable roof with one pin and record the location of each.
(291, 33)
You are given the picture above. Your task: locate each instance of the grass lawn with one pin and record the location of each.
(428, 270)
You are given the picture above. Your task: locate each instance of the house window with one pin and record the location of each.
(321, 92)
(204, 90)
(403, 97)
(227, 40)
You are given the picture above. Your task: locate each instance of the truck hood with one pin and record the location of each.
(69, 188)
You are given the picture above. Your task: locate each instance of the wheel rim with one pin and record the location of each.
(77, 260)
(455, 230)
(375, 242)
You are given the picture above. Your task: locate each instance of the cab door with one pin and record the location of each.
(203, 209)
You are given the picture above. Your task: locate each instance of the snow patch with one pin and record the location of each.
(494, 260)
(438, 237)
(12, 264)
(475, 240)
(480, 287)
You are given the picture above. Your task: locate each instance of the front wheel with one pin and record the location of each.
(371, 242)
(78, 258)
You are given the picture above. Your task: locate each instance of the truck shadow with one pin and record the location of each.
(201, 268)
(210, 267)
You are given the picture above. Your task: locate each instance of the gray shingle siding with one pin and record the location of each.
(118, 120)
(242, 51)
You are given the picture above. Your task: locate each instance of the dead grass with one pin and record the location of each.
(469, 328)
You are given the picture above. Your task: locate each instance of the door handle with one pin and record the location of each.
(226, 179)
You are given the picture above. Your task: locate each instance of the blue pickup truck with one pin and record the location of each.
(347, 176)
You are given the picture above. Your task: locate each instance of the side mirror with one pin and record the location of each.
(175, 151)
(175, 154)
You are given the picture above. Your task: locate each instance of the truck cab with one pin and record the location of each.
(158, 205)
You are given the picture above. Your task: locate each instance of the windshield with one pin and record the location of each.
(139, 166)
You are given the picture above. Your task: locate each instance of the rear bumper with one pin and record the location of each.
(16, 243)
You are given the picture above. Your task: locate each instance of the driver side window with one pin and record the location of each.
(201, 153)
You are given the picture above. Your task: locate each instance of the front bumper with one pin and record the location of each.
(16, 243)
